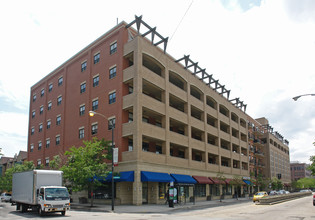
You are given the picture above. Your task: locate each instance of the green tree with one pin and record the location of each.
(221, 178)
(306, 183)
(55, 163)
(262, 182)
(85, 165)
(276, 184)
(6, 180)
(237, 181)
(312, 166)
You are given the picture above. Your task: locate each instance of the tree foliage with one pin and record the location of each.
(305, 183)
(85, 166)
(312, 166)
(276, 184)
(6, 180)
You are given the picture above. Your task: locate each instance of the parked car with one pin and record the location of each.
(5, 197)
(273, 193)
(314, 200)
(259, 195)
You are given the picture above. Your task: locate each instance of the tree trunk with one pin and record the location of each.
(92, 194)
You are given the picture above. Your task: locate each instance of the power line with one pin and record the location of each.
(181, 20)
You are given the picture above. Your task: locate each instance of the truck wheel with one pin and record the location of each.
(24, 208)
(18, 206)
(63, 213)
(41, 212)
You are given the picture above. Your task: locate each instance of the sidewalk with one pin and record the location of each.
(153, 208)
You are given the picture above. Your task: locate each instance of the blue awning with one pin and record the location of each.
(180, 178)
(125, 176)
(247, 182)
(147, 176)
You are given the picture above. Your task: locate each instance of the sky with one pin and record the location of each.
(262, 50)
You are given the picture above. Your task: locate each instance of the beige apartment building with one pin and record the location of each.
(173, 122)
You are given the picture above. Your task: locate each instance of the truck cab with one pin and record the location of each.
(53, 199)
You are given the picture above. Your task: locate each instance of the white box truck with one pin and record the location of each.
(40, 190)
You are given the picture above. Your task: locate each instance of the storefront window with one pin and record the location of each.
(216, 190)
(200, 190)
(228, 189)
(102, 192)
(162, 190)
(224, 189)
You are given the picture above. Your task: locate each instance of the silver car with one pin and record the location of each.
(5, 197)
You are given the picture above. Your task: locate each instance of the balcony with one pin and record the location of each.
(178, 139)
(178, 92)
(129, 101)
(129, 73)
(151, 103)
(153, 131)
(128, 129)
(196, 144)
(150, 76)
(152, 157)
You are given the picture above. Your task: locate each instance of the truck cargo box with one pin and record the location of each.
(25, 184)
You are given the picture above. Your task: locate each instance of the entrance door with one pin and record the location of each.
(144, 192)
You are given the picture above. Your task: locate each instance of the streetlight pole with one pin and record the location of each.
(299, 96)
(92, 113)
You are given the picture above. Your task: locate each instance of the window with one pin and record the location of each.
(111, 123)
(42, 92)
(48, 124)
(83, 66)
(41, 110)
(97, 58)
(82, 110)
(40, 129)
(158, 149)
(50, 87)
(94, 129)
(59, 99)
(145, 146)
(112, 97)
(57, 139)
(82, 87)
(113, 48)
(34, 97)
(39, 162)
(81, 133)
(32, 148)
(39, 145)
(49, 105)
(95, 105)
(47, 143)
(58, 120)
(130, 117)
(32, 130)
(47, 162)
(96, 80)
(200, 190)
(130, 145)
(112, 72)
(130, 89)
(60, 81)
(33, 114)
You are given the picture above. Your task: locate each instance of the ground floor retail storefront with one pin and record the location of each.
(147, 187)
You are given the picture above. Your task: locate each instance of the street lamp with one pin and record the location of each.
(299, 96)
(92, 113)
